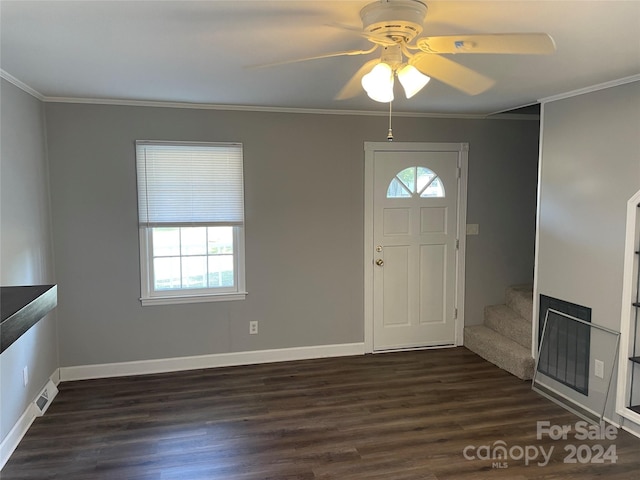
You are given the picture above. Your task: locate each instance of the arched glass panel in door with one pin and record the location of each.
(416, 182)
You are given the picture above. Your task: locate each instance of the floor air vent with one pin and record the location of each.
(45, 398)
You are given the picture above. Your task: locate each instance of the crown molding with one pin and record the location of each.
(504, 114)
(255, 108)
(513, 116)
(21, 85)
(593, 88)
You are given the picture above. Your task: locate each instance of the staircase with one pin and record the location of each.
(505, 337)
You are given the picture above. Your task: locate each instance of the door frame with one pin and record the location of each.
(463, 164)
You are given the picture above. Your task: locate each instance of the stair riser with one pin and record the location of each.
(505, 337)
(508, 323)
(521, 302)
(513, 359)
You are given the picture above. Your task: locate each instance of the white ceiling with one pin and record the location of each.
(198, 51)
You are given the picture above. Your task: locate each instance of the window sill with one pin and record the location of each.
(173, 300)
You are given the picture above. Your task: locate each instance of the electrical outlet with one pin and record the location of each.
(25, 375)
(599, 369)
(253, 327)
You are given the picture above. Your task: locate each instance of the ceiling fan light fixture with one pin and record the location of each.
(412, 80)
(378, 83)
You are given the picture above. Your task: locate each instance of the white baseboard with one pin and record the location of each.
(629, 415)
(55, 377)
(142, 367)
(11, 441)
(629, 421)
(13, 438)
(618, 424)
(84, 372)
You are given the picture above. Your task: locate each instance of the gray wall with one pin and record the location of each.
(25, 246)
(590, 167)
(304, 226)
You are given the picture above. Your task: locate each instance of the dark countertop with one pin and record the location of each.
(21, 308)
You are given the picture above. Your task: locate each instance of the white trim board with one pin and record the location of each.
(243, 108)
(592, 88)
(257, 108)
(536, 258)
(627, 314)
(13, 438)
(21, 85)
(633, 429)
(252, 108)
(164, 365)
(84, 372)
(619, 426)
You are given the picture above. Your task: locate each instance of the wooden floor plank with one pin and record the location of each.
(396, 416)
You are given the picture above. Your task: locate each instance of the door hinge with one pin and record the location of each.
(459, 172)
(455, 313)
(457, 244)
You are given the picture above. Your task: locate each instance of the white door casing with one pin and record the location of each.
(414, 244)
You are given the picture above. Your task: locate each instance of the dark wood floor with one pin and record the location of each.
(397, 416)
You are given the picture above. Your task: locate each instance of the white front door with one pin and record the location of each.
(414, 249)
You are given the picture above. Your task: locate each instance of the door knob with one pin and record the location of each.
(379, 262)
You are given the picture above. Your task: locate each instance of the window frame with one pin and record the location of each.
(150, 296)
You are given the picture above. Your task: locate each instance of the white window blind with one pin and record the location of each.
(184, 184)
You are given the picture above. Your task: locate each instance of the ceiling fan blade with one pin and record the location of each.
(316, 57)
(353, 86)
(513, 43)
(372, 37)
(451, 73)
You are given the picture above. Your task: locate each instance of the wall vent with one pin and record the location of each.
(45, 398)
(566, 352)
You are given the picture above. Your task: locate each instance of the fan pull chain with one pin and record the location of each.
(390, 133)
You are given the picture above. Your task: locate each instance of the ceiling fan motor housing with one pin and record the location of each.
(400, 20)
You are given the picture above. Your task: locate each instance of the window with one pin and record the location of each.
(191, 220)
(416, 181)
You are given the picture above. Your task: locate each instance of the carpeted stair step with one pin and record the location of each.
(507, 322)
(520, 299)
(499, 350)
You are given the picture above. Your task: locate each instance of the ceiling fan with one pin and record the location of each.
(393, 26)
